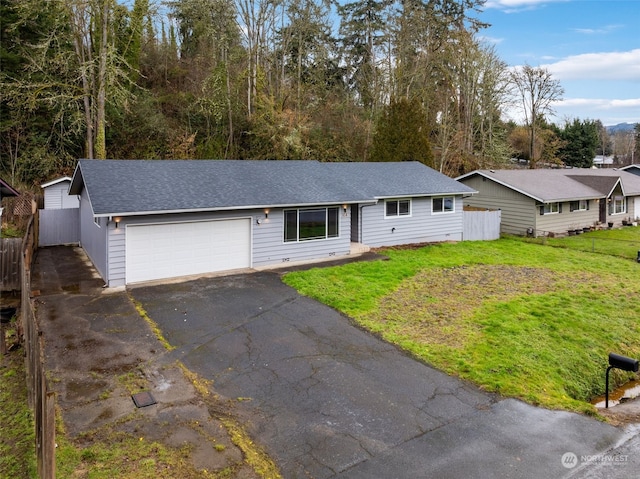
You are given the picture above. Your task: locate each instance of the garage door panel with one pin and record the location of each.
(180, 249)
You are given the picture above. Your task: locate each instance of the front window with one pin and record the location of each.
(443, 204)
(310, 224)
(618, 205)
(397, 208)
(551, 208)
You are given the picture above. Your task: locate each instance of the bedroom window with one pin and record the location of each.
(582, 205)
(310, 224)
(551, 208)
(393, 208)
(443, 204)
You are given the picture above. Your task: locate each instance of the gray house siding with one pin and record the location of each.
(93, 236)
(267, 238)
(269, 247)
(518, 211)
(421, 226)
(567, 219)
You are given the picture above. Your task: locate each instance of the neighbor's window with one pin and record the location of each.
(310, 224)
(618, 205)
(397, 208)
(443, 204)
(582, 205)
(551, 208)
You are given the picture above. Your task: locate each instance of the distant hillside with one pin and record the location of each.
(621, 127)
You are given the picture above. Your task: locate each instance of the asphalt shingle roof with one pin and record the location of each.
(564, 184)
(154, 186)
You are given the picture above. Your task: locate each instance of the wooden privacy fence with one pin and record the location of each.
(10, 259)
(41, 398)
(481, 225)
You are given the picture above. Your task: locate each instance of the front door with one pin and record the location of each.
(603, 211)
(355, 224)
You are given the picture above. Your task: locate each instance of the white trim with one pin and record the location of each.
(444, 210)
(398, 215)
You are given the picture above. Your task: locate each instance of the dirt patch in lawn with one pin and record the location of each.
(435, 306)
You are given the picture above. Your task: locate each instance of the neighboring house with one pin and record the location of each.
(56, 195)
(142, 220)
(540, 202)
(601, 161)
(635, 169)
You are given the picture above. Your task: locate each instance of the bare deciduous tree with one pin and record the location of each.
(538, 90)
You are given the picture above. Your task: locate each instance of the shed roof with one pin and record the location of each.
(565, 184)
(56, 181)
(127, 187)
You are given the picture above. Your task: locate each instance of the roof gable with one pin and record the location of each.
(154, 186)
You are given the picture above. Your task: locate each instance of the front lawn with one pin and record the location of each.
(524, 320)
(623, 242)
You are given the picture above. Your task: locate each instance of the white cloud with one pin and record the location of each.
(599, 103)
(597, 31)
(619, 66)
(511, 5)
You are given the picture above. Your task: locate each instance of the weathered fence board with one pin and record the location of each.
(481, 225)
(10, 258)
(61, 226)
(41, 398)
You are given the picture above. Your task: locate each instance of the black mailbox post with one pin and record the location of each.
(619, 362)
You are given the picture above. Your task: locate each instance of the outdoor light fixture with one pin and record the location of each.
(619, 362)
(116, 220)
(344, 209)
(266, 214)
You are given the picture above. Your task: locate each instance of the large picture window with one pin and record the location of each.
(310, 224)
(394, 208)
(443, 204)
(618, 205)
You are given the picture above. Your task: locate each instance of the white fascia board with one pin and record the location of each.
(226, 208)
(55, 182)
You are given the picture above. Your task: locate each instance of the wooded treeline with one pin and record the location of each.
(366, 80)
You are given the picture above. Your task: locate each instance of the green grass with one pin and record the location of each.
(11, 231)
(520, 319)
(17, 440)
(622, 242)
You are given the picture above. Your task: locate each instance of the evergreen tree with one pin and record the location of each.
(402, 134)
(579, 143)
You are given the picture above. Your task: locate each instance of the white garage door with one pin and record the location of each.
(180, 249)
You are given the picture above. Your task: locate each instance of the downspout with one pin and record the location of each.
(361, 207)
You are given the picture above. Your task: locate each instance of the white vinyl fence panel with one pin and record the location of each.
(58, 227)
(481, 225)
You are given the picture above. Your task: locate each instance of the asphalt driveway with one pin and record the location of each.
(328, 400)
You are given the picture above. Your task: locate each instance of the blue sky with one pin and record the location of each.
(592, 47)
